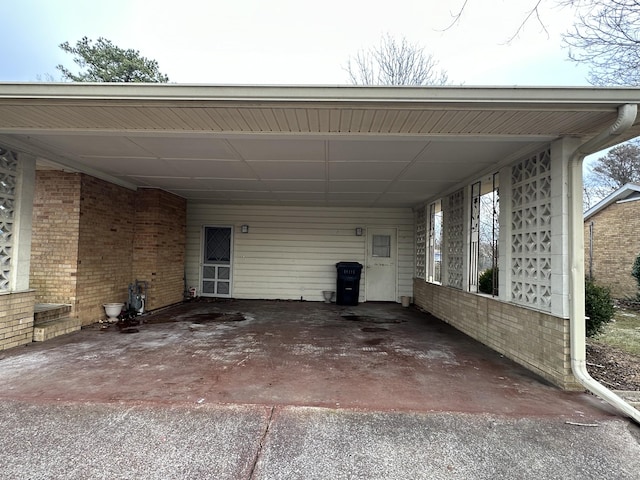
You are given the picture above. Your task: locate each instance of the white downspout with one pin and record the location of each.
(626, 117)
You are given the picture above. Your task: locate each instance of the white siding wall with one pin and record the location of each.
(291, 252)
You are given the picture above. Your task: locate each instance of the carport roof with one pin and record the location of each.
(296, 145)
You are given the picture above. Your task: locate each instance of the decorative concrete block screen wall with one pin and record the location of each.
(528, 320)
(454, 238)
(421, 243)
(8, 185)
(530, 267)
(16, 299)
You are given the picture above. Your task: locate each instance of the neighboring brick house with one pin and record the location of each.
(612, 240)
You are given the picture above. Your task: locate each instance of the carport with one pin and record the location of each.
(256, 192)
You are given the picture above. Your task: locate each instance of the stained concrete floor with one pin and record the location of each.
(295, 390)
(376, 356)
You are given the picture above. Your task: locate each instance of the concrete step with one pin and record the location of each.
(44, 312)
(54, 328)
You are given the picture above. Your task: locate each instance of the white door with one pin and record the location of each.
(381, 267)
(216, 262)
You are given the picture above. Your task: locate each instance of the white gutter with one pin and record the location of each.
(587, 98)
(626, 116)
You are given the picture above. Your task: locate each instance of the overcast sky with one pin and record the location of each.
(289, 41)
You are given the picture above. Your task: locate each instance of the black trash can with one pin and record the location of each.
(348, 283)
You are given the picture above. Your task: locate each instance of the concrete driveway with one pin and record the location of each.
(265, 390)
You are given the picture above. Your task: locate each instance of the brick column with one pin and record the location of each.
(159, 245)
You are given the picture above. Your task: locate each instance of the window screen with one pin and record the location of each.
(381, 246)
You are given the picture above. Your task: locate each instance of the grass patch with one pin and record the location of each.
(623, 332)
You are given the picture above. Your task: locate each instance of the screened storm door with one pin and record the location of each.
(216, 262)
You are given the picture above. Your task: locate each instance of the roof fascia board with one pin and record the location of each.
(524, 138)
(629, 200)
(341, 94)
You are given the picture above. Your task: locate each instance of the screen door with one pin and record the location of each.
(216, 262)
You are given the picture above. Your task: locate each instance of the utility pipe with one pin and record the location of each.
(626, 116)
(591, 227)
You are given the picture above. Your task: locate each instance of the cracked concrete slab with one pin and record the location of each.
(237, 442)
(311, 443)
(124, 441)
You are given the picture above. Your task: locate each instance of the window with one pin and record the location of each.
(381, 246)
(484, 232)
(434, 253)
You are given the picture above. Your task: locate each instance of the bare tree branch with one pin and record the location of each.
(620, 165)
(606, 35)
(533, 12)
(456, 16)
(395, 62)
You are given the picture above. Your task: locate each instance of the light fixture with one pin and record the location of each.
(244, 228)
(359, 231)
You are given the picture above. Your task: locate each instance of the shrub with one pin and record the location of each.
(635, 273)
(485, 281)
(598, 307)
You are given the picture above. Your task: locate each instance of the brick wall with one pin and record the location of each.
(16, 319)
(105, 247)
(159, 246)
(616, 244)
(54, 242)
(535, 340)
(92, 238)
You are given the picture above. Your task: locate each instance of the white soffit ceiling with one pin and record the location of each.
(381, 171)
(346, 146)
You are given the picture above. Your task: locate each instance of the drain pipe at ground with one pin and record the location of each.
(626, 117)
